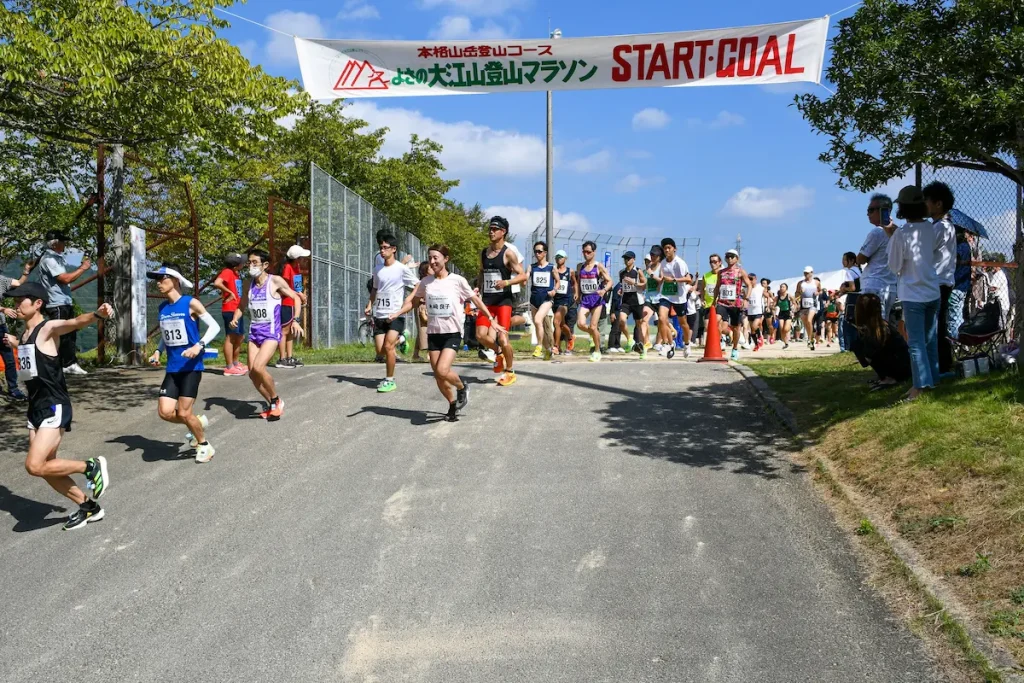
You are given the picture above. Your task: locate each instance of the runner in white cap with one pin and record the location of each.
(807, 292)
(179, 335)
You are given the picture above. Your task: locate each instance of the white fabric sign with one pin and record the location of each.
(140, 328)
(770, 53)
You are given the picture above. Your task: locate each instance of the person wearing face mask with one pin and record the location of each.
(179, 334)
(263, 301)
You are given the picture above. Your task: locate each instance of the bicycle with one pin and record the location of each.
(364, 332)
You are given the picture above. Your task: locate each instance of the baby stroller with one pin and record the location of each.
(982, 335)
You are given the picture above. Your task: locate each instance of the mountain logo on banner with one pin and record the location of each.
(360, 75)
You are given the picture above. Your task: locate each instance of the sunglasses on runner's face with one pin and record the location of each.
(538, 251)
(588, 251)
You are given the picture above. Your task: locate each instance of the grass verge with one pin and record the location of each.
(946, 472)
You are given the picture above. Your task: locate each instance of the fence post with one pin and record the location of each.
(330, 267)
(101, 249)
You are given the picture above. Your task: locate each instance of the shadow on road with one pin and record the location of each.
(415, 417)
(31, 515)
(720, 426)
(240, 410)
(367, 382)
(152, 450)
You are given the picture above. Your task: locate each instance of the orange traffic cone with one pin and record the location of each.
(713, 346)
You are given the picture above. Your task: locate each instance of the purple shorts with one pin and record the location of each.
(591, 301)
(259, 336)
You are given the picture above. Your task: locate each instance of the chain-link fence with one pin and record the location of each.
(343, 241)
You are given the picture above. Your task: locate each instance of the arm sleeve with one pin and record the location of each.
(212, 328)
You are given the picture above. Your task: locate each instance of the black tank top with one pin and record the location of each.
(47, 387)
(629, 292)
(495, 269)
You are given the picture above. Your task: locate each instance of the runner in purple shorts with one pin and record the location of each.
(263, 299)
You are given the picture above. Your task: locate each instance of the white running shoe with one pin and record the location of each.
(205, 453)
(595, 357)
(191, 440)
(490, 355)
(74, 369)
(686, 351)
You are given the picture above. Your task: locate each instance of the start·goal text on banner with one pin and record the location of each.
(771, 53)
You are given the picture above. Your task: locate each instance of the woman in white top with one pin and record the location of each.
(807, 292)
(912, 257)
(445, 295)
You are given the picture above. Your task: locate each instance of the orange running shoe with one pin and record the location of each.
(507, 378)
(499, 363)
(266, 413)
(572, 343)
(278, 409)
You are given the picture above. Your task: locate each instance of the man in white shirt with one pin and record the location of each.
(939, 200)
(876, 277)
(386, 297)
(675, 281)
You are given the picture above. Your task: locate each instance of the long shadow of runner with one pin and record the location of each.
(31, 515)
(240, 410)
(415, 417)
(367, 382)
(720, 426)
(152, 450)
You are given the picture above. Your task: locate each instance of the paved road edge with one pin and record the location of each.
(993, 662)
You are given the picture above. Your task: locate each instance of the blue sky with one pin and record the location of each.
(684, 162)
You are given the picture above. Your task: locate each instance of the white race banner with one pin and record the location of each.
(140, 328)
(773, 53)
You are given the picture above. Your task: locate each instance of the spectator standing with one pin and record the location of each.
(292, 272)
(55, 278)
(850, 289)
(229, 284)
(10, 367)
(939, 200)
(912, 257)
(998, 288)
(877, 278)
(961, 284)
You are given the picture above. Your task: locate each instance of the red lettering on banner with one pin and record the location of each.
(727, 69)
(659, 62)
(682, 53)
(790, 49)
(641, 58)
(704, 56)
(770, 57)
(747, 62)
(622, 72)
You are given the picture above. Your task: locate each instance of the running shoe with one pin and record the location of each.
(538, 351)
(74, 369)
(507, 378)
(745, 346)
(386, 386)
(547, 354)
(812, 345)
(266, 413)
(462, 397)
(643, 354)
(638, 347)
(234, 371)
(97, 476)
(18, 395)
(659, 348)
(278, 409)
(87, 512)
(555, 352)
(403, 345)
(296, 363)
(571, 345)
(757, 347)
(619, 350)
(686, 351)
(243, 367)
(595, 356)
(191, 440)
(735, 355)
(670, 353)
(499, 363)
(282, 363)
(204, 453)
(785, 346)
(453, 413)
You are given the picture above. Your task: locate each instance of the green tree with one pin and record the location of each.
(925, 81)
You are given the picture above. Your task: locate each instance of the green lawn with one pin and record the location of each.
(947, 470)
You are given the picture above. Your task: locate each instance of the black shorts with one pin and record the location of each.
(287, 315)
(444, 340)
(181, 384)
(635, 310)
(734, 314)
(691, 321)
(56, 416)
(571, 315)
(753, 318)
(383, 326)
(785, 315)
(678, 310)
(560, 302)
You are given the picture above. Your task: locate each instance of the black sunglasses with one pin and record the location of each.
(538, 251)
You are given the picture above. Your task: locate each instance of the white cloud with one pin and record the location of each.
(650, 119)
(461, 28)
(356, 10)
(723, 120)
(639, 154)
(593, 163)
(468, 147)
(479, 8)
(522, 221)
(769, 202)
(281, 48)
(633, 182)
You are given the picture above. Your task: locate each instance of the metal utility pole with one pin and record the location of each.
(549, 212)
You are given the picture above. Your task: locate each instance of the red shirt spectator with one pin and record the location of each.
(230, 279)
(289, 273)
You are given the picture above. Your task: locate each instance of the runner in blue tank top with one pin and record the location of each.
(263, 299)
(179, 335)
(543, 280)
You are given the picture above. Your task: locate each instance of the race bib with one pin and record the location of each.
(589, 285)
(298, 283)
(670, 288)
(727, 292)
(384, 306)
(628, 287)
(541, 279)
(652, 285)
(440, 306)
(27, 362)
(563, 286)
(491, 279)
(807, 302)
(259, 312)
(174, 332)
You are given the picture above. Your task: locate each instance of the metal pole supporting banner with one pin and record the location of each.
(549, 209)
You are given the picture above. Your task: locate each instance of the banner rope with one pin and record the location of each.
(856, 4)
(239, 16)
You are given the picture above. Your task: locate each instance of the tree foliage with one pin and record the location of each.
(923, 81)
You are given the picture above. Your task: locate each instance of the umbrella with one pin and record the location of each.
(962, 220)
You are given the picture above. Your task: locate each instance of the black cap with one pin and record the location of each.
(656, 251)
(629, 255)
(29, 290)
(498, 221)
(56, 235)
